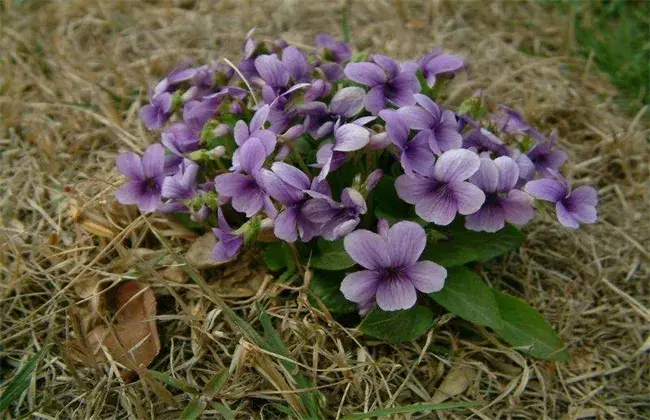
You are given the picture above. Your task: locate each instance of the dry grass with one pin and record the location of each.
(62, 233)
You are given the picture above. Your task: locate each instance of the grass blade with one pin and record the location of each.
(414, 408)
(19, 383)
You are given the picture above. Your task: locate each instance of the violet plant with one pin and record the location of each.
(357, 161)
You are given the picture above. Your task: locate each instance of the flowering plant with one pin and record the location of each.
(353, 161)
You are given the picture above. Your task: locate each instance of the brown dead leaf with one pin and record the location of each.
(132, 341)
(200, 253)
(455, 383)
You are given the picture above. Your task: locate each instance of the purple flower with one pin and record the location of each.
(243, 132)
(180, 139)
(416, 155)
(347, 138)
(156, 114)
(510, 121)
(436, 63)
(484, 141)
(246, 190)
(272, 71)
(333, 50)
(229, 243)
(387, 82)
(445, 192)
(296, 64)
(182, 185)
(288, 185)
(197, 113)
(335, 219)
(503, 203)
(392, 272)
(146, 177)
(545, 158)
(440, 127)
(571, 207)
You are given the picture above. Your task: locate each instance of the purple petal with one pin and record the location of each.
(396, 127)
(487, 176)
(129, 193)
(375, 100)
(291, 175)
(252, 155)
(231, 184)
(583, 195)
(517, 207)
(285, 225)
(417, 117)
(373, 179)
(428, 104)
(280, 190)
(456, 165)
(128, 163)
(469, 198)
(250, 200)
(402, 89)
(447, 134)
(364, 120)
(396, 294)
(490, 218)
(368, 249)
(360, 286)
(149, 114)
(413, 189)
(417, 155)
(546, 189)
(272, 70)
(348, 102)
(444, 63)
(259, 118)
(153, 161)
(565, 217)
(406, 241)
(386, 63)
(439, 206)
(351, 137)
(268, 139)
(353, 199)
(426, 276)
(368, 74)
(508, 173)
(296, 63)
(241, 132)
(333, 71)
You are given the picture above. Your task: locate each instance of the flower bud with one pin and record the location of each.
(221, 130)
(379, 141)
(218, 152)
(373, 179)
(294, 132)
(189, 94)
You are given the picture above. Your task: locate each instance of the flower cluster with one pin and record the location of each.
(300, 138)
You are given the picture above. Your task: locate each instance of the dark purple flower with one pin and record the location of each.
(180, 139)
(333, 50)
(387, 82)
(445, 192)
(335, 219)
(392, 272)
(571, 207)
(484, 141)
(436, 63)
(146, 177)
(156, 114)
(229, 244)
(510, 121)
(416, 155)
(197, 113)
(288, 184)
(440, 127)
(503, 203)
(246, 189)
(545, 157)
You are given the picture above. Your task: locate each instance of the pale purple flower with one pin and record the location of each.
(545, 157)
(347, 138)
(439, 126)
(510, 121)
(288, 185)
(332, 49)
(246, 189)
(329, 160)
(157, 113)
(443, 194)
(146, 176)
(387, 83)
(335, 219)
(296, 64)
(197, 113)
(183, 184)
(230, 243)
(255, 129)
(392, 274)
(571, 207)
(272, 71)
(180, 139)
(416, 154)
(503, 203)
(436, 63)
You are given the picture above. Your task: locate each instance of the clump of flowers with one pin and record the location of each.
(328, 147)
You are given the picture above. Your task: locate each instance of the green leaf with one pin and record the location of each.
(194, 409)
(331, 256)
(397, 326)
(19, 383)
(325, 287)
(173, 382)
(277, 255)
(467, 295)
(527, 329)
(414, 408)
(224, 410)
(215, 384)
(465, 246)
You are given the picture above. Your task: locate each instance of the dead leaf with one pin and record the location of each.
(455, 383)
(200, 253)
(132, 340)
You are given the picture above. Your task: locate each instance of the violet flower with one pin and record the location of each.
(296, 64)
(180, 139)
(246, 190)
(157, 113)
(436, 63)
(443, 194)
(503, 203)
(510, 121)
(183, 184)
(545, 157)
(335, 219)
(347, 138)
(440, 127)
(288, 184)
(255, 129)
(416, 155)
(392, 274)
(483, 140)
(345, 104)
(146, 176)
(333, 50)
(387, 83)
(571, 207)
(230, 243)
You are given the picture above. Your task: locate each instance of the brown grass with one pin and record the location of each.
(63, 238)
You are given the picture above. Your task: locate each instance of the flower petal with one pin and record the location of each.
(291, 175)
(272, 70)
(251, 155)
(417, 156)
(406, 241)
(360, 286)
(153, 161)
(369, 74)
(285, 225)
(386, 63)
(517, 207)
(350, 137)
(128, 163)
(396, 127)
(426, 276)
(280, 190)
(490, 218)
(487, 176)
(565, 217)
(259, 118)
(129, 193)
(417, 117)
(413, 189)
(444, 63)
(296, 63)
(439, 207)
(508, 173)
(469, 198)
(396, 294)
(546, 189)
(427, 103)
(375, 100)
(348, 102)
(456, 165)
(368, 249)
(584, 195)
(231, 184)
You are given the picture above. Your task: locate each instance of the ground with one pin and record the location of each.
(72, 78)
